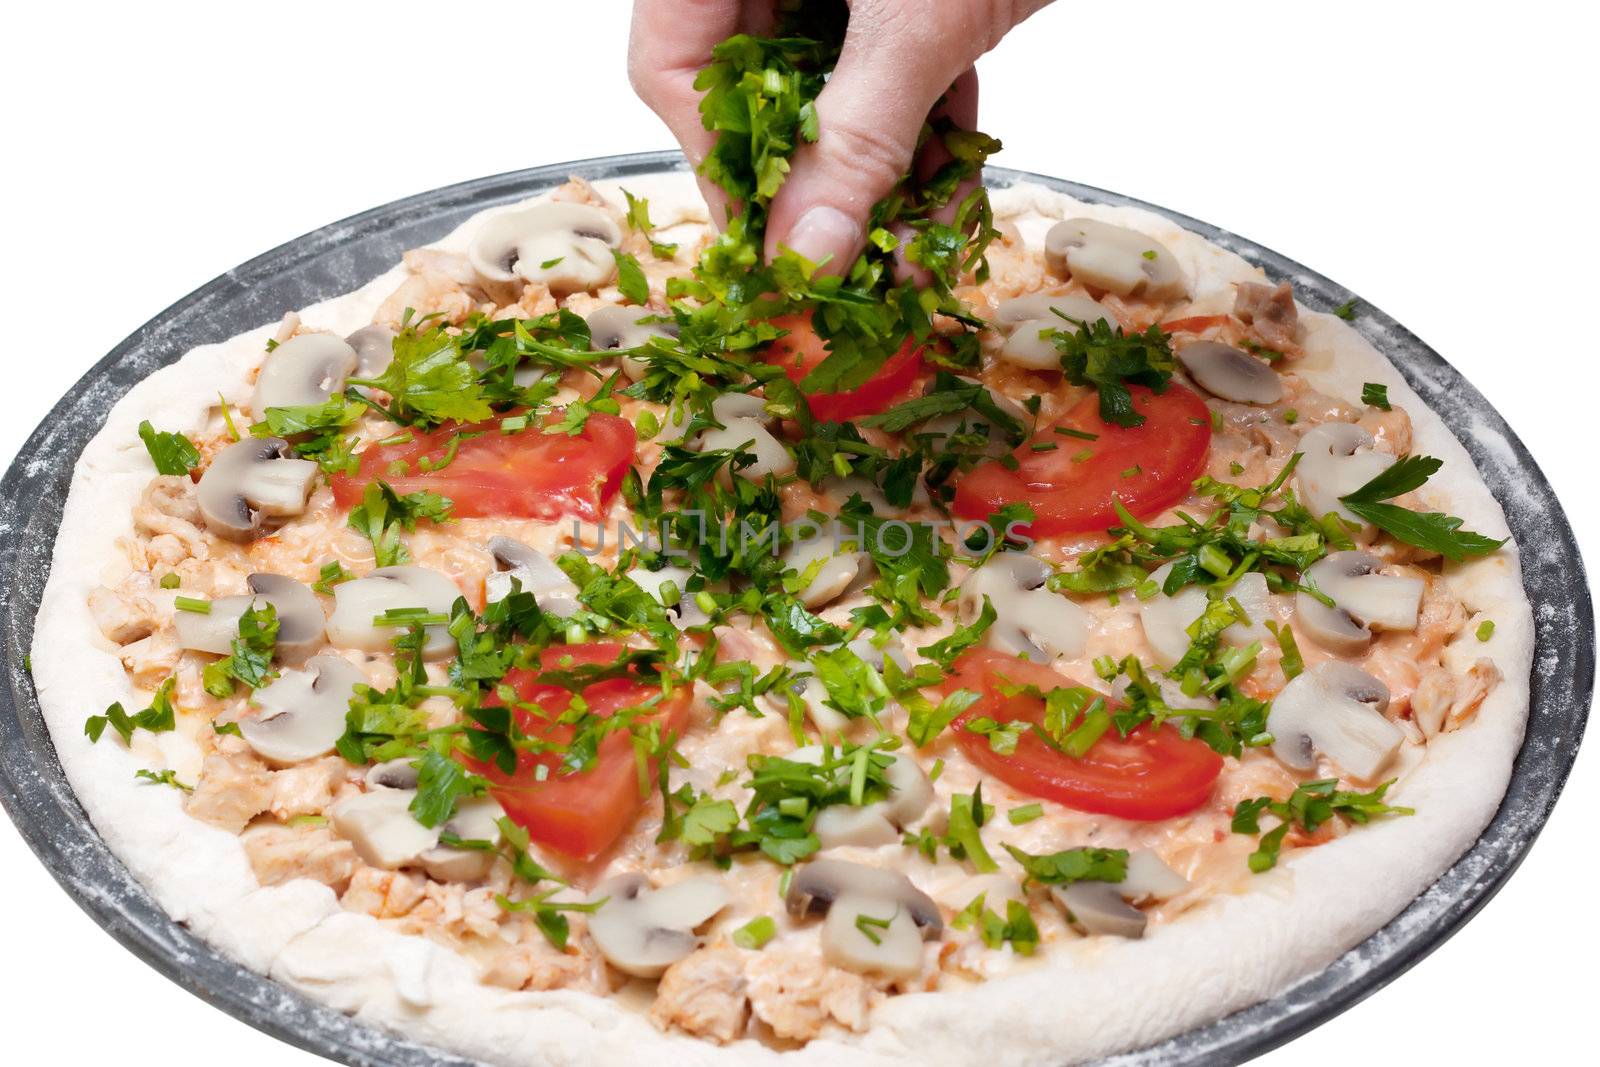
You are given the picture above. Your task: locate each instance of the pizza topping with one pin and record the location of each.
(1028, 619)
(1172, 623)
(304, 371)
(529, 571)
(1107, 908)
(1115, 259)
(615, 326)
(1026, 318)
(1270, 311)
(252, 480)
(1337, 459)
(743, 431)
(875, 920)
(299, 617)
(302, 712)
(823, 570)
(1334, 709)
(1363, 600)
(878, 822)
(565, 246)
(381, 827)
(374, 347)
(368, 613)
(1225, 371)
(641, 931)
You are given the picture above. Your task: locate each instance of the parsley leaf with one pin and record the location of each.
(383, 513)
(1101, 355)
(1073, 865)
(1308, 807)
(1376, 395)
(1432, 530)
(172, 453)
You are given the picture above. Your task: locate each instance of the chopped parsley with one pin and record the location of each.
(172, 453)
(383, 513)
(1432, 530)
(1376, 395)
(158, 718)
(1310, 806)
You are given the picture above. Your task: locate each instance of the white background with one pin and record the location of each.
(1436, 159)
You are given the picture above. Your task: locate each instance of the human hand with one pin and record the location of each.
(899, 58)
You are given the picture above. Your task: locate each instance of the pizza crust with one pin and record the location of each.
(1088, 998)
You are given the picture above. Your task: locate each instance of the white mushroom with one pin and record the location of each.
(1335, 709)
(1166, 619)
(744, 426)
(381, 827)
(877, 823)
(642, 931)
(374, 347)
(1231, 373)
(304, 371)
(392, 774)
(300, 620)
(534, 572)
(565, 246)
(1363, 600)
(250, 480)
(1030, 620)
(614, 326)
(1108, 907)
(831, 568)
(302, 711)
(876, 919)
(1114, 258)
(1025, 317)
(1337, 460)
(684, 608)
(359, 602)
(475, 819)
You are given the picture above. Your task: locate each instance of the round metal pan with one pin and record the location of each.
(340, 257)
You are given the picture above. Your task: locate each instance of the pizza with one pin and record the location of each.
(588, 640)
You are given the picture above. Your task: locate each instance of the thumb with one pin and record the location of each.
(869, 116)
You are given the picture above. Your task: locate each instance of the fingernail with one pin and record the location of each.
(825, 233)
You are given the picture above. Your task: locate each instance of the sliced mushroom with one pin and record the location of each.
(1108, 907)
(880, 822)
(744, 426)
(642, 931)
(898, 915)
(381, 827)
(300, 620)
(392, 774)
(534, 573)
(476, 819)
(1335, 709)
(1030, 620)
(831, 568)
(614, 326)
(684, 609)
(302, 711)
(1166, 619)
(1098, 908)
(304, 371)
(250, 480)
(564, 246)
(1337, 460)
(374, 347)
(1363, 600)
(1114, 258)
(1025, 317)
(1230, 373)
(359, 602)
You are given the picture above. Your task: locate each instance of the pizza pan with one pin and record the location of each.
(343, 256)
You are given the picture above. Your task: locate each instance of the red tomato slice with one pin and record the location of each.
(1148, 467)
(800, 350)
(1151, 774)
(531, 474)
(580, 813)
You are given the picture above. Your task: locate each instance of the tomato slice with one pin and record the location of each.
(800, 350)
(1148, 467)
(580, 813)
(531, 474)
(1150, 774)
